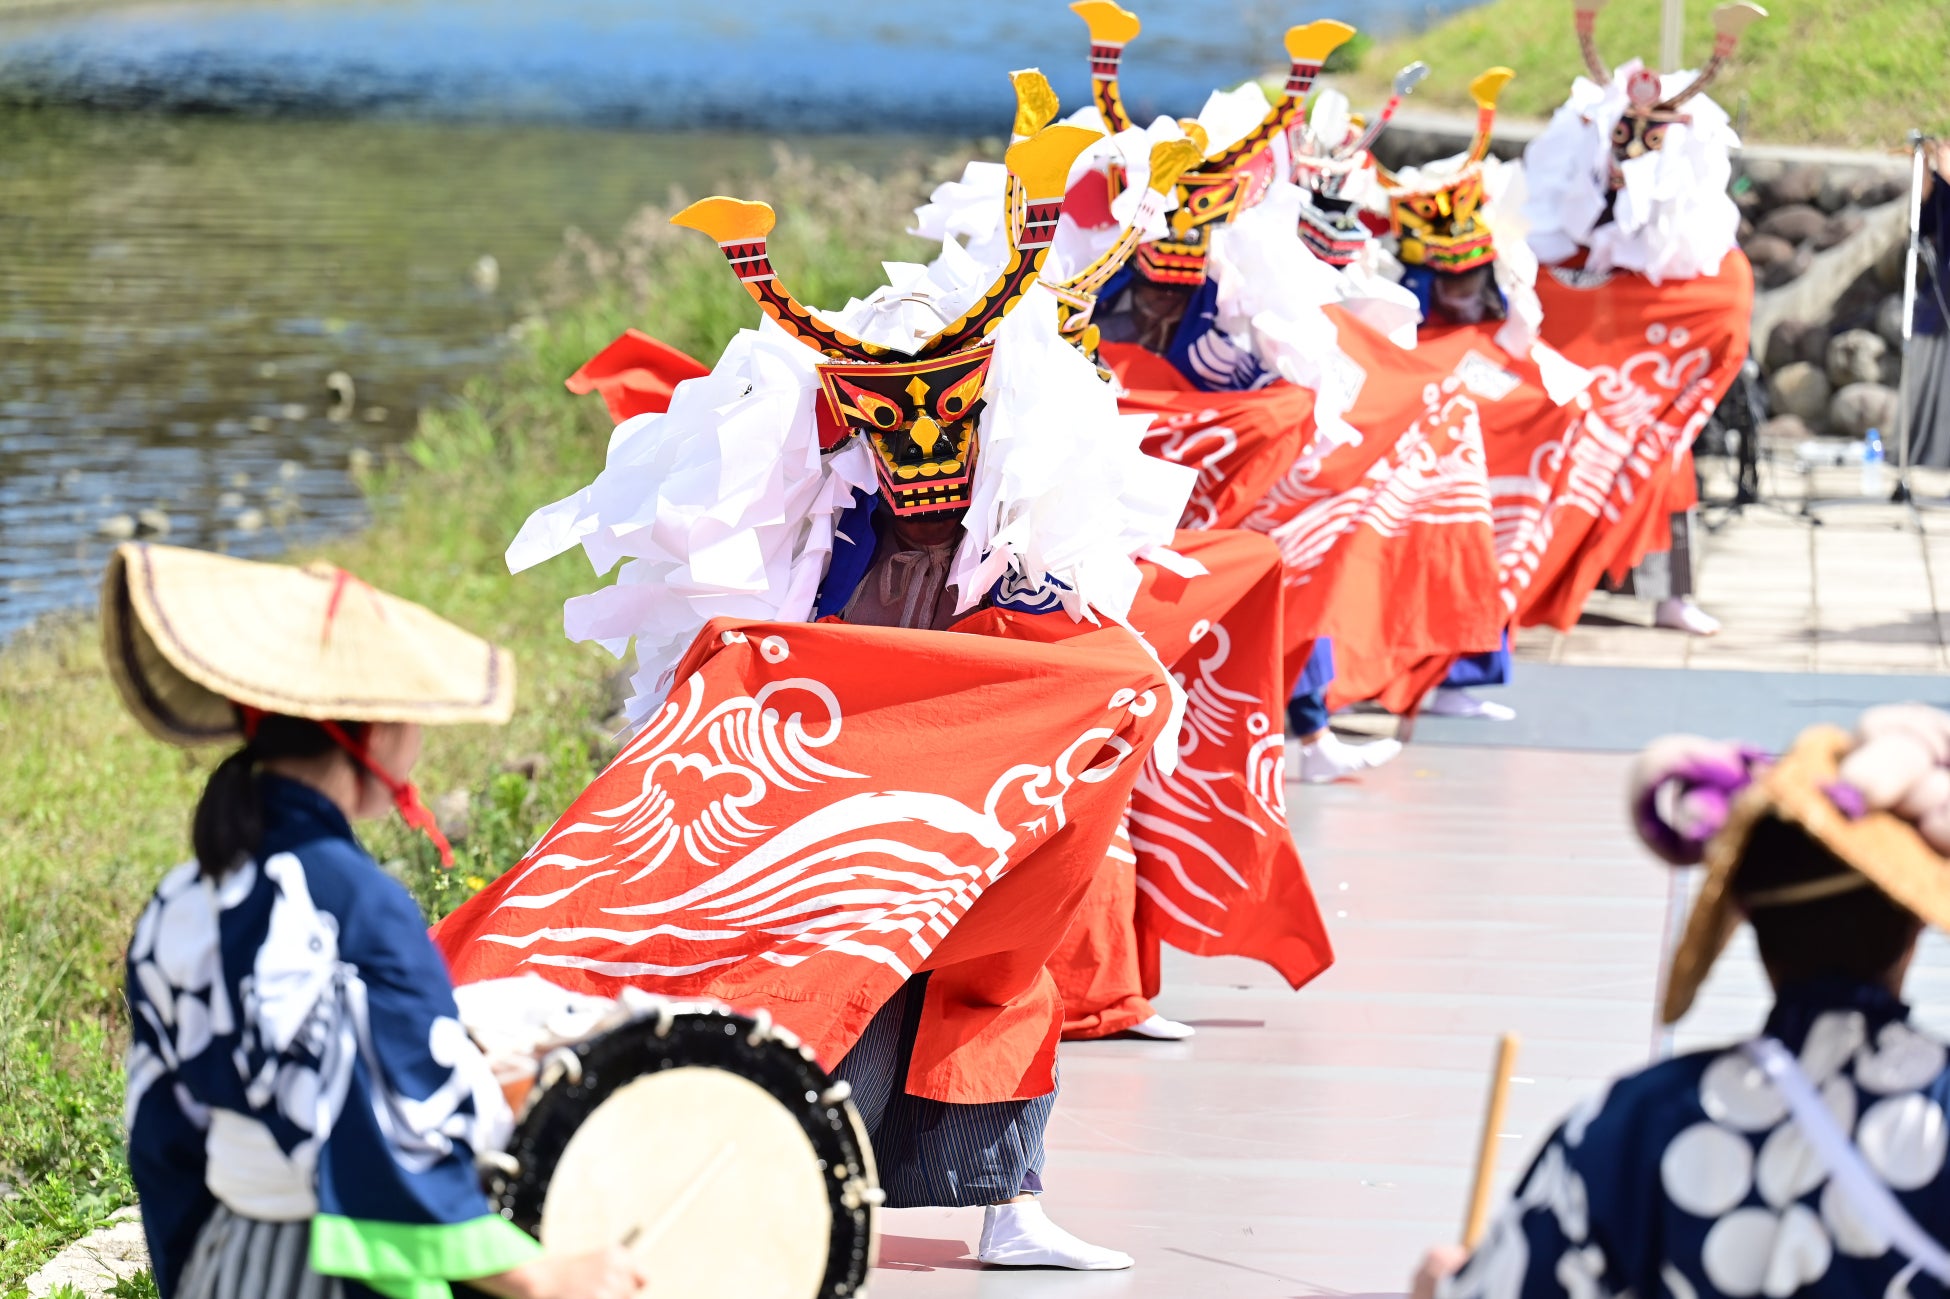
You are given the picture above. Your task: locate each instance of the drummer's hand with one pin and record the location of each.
(611, 1274)
(1439, 1264)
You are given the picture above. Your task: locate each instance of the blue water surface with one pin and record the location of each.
(762, 64)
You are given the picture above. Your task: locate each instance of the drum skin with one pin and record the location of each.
(703, 1039)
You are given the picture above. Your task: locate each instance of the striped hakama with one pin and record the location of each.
(243, 1258)
(928, 1152)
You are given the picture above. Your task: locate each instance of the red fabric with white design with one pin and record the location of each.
(1105, 976)
(1530, 442)
(820, 811)
(1386, 537)
(635, 375)
(1665, 355)
(1216, 870)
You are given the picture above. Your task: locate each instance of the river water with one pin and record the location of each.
(369, 188)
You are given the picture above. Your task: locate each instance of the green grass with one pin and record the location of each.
(1840, 72)
(92, 811)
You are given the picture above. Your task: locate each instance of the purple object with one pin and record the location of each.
(1706, 781)
(1847, 799)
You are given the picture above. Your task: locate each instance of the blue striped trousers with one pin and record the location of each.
(930, 1152)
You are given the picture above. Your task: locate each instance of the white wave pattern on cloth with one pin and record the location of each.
(1672, 221)
(1182, 872)
(1414, 485)
(1197, 440)
(881, 875)
(1636, 403)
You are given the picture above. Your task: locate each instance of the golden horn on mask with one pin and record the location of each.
(741, 227)
(1040, 168)
(1170, 159)
(1112, 27)
(1485, 90)
(1307, 48)
(1036, 104)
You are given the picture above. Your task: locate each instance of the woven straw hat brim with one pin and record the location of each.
(185, 633)
(1881, 846)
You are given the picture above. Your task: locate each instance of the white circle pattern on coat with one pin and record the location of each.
(1899, 1060)
(1738, 1250)
(1833, 1038)
(1707, 1170)
(1904, 1139)
(1788, 1167)
(1854, 1235)
(1582, 1272)
(1734, 1092)
(185, 938)
(1800, 1255)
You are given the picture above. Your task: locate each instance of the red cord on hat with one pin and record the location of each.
(405, 797)
(340, 580)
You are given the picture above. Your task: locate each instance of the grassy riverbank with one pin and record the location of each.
(1814, 72)
(92, 811)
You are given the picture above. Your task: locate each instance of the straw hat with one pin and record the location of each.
(1881, 846)
(186, 633)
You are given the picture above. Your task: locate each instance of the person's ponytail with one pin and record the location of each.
(228, 827)
(229, 821)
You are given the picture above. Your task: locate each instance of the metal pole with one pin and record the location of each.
(1672, 32)
(1903, 431)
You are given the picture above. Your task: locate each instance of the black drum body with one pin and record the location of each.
(693, 1079)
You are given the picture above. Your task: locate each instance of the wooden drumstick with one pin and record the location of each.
(1479, 1196)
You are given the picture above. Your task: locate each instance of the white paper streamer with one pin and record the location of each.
(1673, 219)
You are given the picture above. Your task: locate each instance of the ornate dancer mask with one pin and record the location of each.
(918, 412)
(1439, 225)
(1642, 128)
(1329, 224)
(1226, 182)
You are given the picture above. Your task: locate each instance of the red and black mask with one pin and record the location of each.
(920, 419)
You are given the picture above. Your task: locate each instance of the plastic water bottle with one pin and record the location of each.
(1872, 462)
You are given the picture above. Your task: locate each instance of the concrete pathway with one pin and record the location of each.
(1314, 1143)
(1867, 589)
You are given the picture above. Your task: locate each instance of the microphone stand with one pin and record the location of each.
(1914, 257)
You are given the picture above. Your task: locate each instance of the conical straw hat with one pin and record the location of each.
(186, 633)
(1880, 846)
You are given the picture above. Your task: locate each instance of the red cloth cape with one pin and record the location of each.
(820, 810)
(1530, 442)
(1665, 355)
(1210, 867)
(635, 375)
(1386, 537)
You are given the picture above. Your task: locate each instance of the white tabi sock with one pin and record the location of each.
(1021, 1235)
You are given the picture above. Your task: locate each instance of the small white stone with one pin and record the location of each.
(93, 1264)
